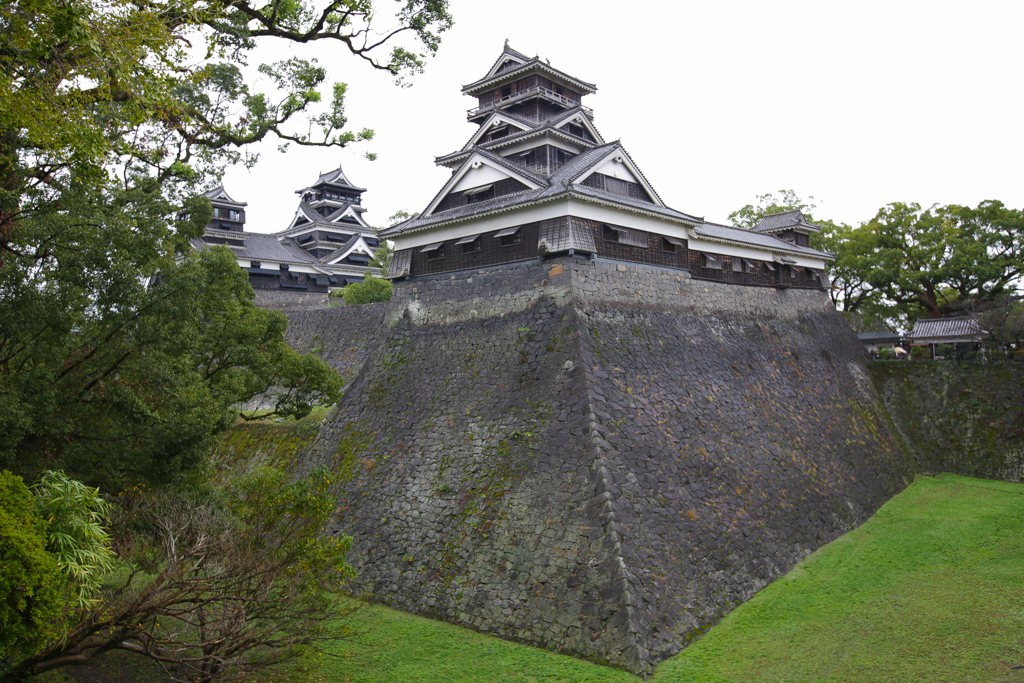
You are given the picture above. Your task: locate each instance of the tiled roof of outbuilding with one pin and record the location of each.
(946, 327)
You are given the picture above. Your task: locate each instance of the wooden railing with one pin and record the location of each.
(546, 93)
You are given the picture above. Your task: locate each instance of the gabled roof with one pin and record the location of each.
(507, 54)
(495, 119)
(562, 183)
(938, 328)
(314, 220)
(545, 131)
(347, 248)
(785, 220)
(478, 156)
(495, 77)
(620, 154)
(220, 194)
(335, 177)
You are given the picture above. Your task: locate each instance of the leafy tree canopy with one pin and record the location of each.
(908, 262)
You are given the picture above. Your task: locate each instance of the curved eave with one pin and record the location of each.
(566, 194)
(457, 158)
(517, 73)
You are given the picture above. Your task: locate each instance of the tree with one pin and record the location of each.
(108, 128)
(370, 290)
(923, 260)
(133, 383)
(216, 584)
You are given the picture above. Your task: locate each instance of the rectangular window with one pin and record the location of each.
(609, 234)
(434, 251)
(671, 244)
(470, 244)
(479, 194)
(710, 261)
(768, 268)
(509, 236)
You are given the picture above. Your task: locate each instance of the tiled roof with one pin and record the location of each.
(946, 327)
(534, 62)
(714, 231)
(784, 220)
(221, 194)
(548, 125)
(335, 177)
(561, 182)
(258, 246)
(340, 251)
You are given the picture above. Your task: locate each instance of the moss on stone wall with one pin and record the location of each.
(965, 418)
(264, 442)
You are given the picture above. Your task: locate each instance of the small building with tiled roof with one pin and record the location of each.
(538, 179)
(964, 334)
(327, 246)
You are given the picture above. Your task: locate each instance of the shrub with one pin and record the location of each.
(74, 533)
(370, 290)
(30, 581)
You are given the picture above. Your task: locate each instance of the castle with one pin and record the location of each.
(326, 246)
(537, 179)
(587, 421)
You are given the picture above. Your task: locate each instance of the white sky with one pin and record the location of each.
(856, 104)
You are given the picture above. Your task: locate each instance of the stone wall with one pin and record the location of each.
(343, 336)
(290, 299)
(966, 418)
(599, 458)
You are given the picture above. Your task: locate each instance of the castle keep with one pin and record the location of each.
(585, 420)
(326, 246)
(537, 179)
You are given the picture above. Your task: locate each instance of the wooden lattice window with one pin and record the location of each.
(510, 236)
(470, 244)
(711, 261)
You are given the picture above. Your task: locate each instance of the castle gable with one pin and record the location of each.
(483, 176)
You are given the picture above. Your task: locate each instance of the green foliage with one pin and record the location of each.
(217, 582)
(109, 125)
(75, 537)
(382, 258)
(30, 581)
(370, 290)
(131, 383)
(875, 604)
(908, 262)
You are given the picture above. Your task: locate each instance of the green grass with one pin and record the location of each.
(930, 589)
(394, 647)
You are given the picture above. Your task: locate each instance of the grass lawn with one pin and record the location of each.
(929, 590)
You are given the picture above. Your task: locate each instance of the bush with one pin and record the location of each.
(370, 290)
(30, 581)
(74, 533)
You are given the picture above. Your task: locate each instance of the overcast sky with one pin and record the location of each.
(856, 104)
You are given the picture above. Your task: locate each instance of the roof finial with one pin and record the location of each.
(506, 43)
